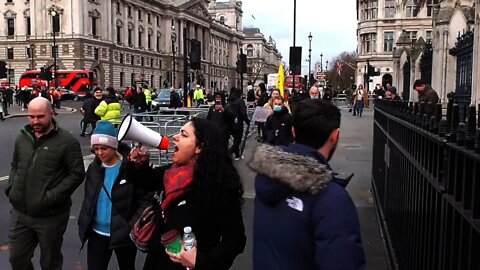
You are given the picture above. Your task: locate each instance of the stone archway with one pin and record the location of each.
(99, 74)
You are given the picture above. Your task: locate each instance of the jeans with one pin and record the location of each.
(99, 253)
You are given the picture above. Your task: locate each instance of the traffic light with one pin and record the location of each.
(3, 69)
(371, 70)
(195, 55)
(241, 64)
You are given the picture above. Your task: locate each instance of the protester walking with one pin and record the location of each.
(358, 101)
(88, 110)
(47, 167)
(304, 218)
(110, 107)
(278, 128)
(216, 114)
(236, 115)
(111, 204)
(202, 190)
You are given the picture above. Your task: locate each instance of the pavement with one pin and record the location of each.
(16, 111)
(353, 155)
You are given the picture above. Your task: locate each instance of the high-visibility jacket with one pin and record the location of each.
(198, 94)
(148, 95)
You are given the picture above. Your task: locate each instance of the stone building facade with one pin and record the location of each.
(381, 23)
(123, 41)
(262, 55)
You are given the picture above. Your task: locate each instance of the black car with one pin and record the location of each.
(163, 98)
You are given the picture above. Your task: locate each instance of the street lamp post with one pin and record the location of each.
(174, 39)
(321, 62)
(326, 70)
(309, 57)
(54, 14)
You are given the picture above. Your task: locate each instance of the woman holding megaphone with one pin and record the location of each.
(202, 190)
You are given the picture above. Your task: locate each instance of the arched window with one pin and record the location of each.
(222, 19)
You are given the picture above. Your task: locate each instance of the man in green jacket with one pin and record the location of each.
(47, 167)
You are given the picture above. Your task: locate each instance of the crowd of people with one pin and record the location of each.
(298, 197)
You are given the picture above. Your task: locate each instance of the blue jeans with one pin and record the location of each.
(359, 107)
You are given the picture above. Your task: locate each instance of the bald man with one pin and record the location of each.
(314, 92)
(47, 167)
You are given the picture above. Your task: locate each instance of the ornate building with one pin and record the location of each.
(262, 55)
(123, 41)
(381, 25)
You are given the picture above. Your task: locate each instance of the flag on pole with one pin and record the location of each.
(281, 80)
(253, 17)
(339, 68)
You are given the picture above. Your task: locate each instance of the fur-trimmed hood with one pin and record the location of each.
(302, 170)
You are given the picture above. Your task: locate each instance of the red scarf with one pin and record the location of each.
(177, 181)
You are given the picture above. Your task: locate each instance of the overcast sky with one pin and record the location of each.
(332, 24)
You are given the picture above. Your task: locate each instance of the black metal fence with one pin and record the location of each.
(426, 184)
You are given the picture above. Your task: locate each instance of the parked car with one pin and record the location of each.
(71, 95)
(163, 98)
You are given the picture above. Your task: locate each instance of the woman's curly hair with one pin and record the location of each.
(214, 174)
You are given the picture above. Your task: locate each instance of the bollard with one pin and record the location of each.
(454, 124)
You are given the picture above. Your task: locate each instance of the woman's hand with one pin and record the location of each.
(186, 258)
(139, 155)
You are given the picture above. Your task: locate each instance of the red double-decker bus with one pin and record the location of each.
(75, 80)
(289, 82)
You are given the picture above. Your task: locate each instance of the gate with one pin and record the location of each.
(463, 51)
(425, 172)
(406, 80)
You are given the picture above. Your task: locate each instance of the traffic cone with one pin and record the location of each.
(189, 102)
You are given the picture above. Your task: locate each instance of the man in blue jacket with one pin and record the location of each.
(304, 218)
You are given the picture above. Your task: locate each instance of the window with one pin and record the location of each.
(140, 38)
(94, 26)
(389, 9)
(119, 34)
(149, 18)
(95, 53)
(132, 79)
(9, 1)
(388, 41)
(121, 58)
(152, 78)
(122, 75)
(428, 36)
(158, 43)
(129, 37)
(412, 35)
(222, 19)
(250, 50)
(430, 4)
(143, 61)
(129, 11)
(9, 53)
(10, 26)
(56, 23)
(369, 42)
(158, 20)
(411, 10)
(29, 52)
(149, 41)
(28, 26)
(119, 8)
(139, 15)
(369, 9)
(132, 60)
(151, 62)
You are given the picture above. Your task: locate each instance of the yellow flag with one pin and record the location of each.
(281, 80)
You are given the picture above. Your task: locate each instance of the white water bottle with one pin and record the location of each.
(188, 238)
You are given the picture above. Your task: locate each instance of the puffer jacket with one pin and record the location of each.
(109, 109)
(303, 218)
(45, 172)
(129, 201)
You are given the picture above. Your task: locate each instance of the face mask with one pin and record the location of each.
(277, 108)
(314, 97)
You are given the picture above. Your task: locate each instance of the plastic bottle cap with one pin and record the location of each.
(187, 229)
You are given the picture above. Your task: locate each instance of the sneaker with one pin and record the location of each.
(82, 135)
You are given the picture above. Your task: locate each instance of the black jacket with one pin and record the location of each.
(175, 101)
(89, 106)
(236, 113)
(129, 201)
(218, 228)
(279, 128)
(140, 102)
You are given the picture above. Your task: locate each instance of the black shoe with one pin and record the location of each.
(82, 135)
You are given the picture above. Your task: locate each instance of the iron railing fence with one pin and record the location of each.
(426, 185)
